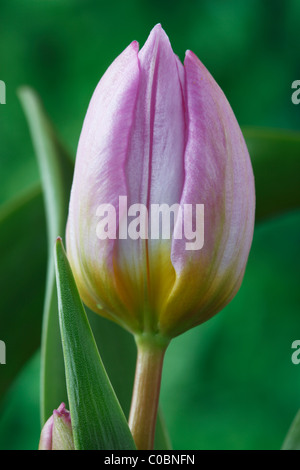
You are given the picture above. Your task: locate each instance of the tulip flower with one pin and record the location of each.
(57, 432)
(159, 136)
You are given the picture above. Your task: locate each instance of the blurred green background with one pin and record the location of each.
(229, 384)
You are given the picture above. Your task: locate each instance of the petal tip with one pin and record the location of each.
(191, 56)
(157, 39)
(135, 46)
(157, 28)
(158, 33)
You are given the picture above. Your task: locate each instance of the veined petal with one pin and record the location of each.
(218, 174)
(154, 168)
(155, 165)
(100, 179)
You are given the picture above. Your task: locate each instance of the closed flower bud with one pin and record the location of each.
(57, 432)
(162, 205)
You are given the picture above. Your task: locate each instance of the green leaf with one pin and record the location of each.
(97, 418)
(21, 299)
(56, 169)
(292, 440)
(56, 166)
(275, 156)
(118, 352)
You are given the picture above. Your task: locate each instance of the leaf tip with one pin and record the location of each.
(58, 247)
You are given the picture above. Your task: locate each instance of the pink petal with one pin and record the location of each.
(99, 176)
(46, 435)
(218, 174)
(154, 169)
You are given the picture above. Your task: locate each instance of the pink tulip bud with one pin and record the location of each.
(57, 432)
(156, 133)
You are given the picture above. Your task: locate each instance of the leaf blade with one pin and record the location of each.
(56, 170)
(97, 418)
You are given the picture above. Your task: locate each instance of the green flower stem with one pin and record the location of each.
(145, 398)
